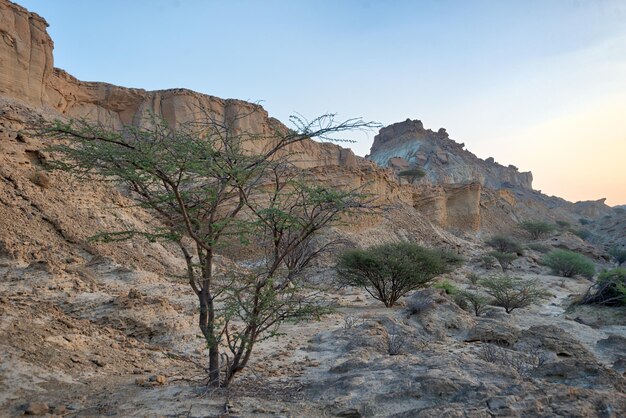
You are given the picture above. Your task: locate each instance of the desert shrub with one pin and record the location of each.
(621, 211)
(609, 289)
(504, 244)
(568, 263)
(394, 340)
(448, 287)
(584, 221)
(542, 248)
(563, 224)
(351, 321)
(505, 259)
(473, 278)
(581, 233)
(419, 303)
(537, 229)
(618, 254)
(474, 301)
(512, 293)
(390, 271)
(522, 362)
(412, 174)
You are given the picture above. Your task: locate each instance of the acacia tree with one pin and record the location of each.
(389, 271)
(213, 184)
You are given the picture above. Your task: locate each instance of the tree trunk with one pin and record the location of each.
(207, 322)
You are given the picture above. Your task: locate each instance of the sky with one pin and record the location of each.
(538, 84)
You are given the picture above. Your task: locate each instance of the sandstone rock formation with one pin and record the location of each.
(408, 144)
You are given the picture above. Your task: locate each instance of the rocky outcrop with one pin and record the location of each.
(25, 54)
(454, 206)
(407, 144)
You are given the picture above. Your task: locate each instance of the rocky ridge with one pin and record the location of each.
(407, 144)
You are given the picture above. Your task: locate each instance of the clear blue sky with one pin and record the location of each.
(538, 84)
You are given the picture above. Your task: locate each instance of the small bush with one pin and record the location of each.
(542, 248)
(584, 221)
(448, 287)
(512, 293)
(609, 289)
(505, 259)
(537, 229)
(477, 302)
(505, 244)
(473, 278)
(522, 362)
(618, 254)
(563, 224)
(621, 211)
(568, 264)
(412, 174)
(390, 271)
(394, 340)
(582, 233)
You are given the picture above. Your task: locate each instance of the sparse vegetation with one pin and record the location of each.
(522, 362)
(478, 303)
(412, 174)
(537, 229)
(618, 254)
(473, 278)
(512, 293)
(584, 221)
(563, 224)
(581, 233)
(394, 340)
(505, 259)
(390, 271)
(505, 244)
(446, 286)
(542, 248)
(202, 181)
(609, 289)
(569, 264)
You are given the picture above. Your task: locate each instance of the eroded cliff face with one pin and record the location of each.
(27, 73)
(407, 144)
(25, 54)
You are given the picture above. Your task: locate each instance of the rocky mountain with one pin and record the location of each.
(407, 144)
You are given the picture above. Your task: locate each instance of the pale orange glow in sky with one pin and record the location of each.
(581, 155)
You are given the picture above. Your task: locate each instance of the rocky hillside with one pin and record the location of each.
(407, 144)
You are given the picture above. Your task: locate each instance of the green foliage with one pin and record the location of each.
(212, 191)
(412, 174)
(448, 287)
(473, 278)
(505, 244)
(537, 229)
(390, 271)
(609, 289)
(542, 248)
(563, 224)
(568, 264)
(512, 293)
(474, 301)
(618, 254)
(582, 233)
(504, 259)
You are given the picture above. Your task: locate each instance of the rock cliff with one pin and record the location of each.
(407, 144)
